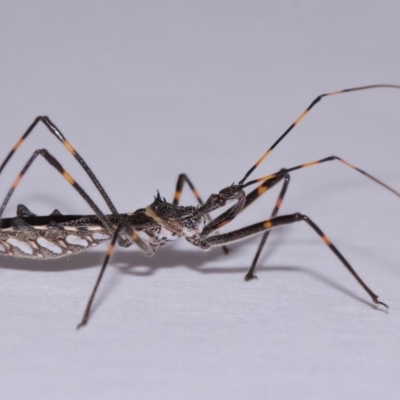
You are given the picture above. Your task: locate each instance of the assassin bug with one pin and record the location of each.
(58, 235)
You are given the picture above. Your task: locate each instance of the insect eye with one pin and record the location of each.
(221, 201)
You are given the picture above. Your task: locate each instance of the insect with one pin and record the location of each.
(57, 235)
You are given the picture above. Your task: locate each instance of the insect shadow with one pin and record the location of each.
(136, 264)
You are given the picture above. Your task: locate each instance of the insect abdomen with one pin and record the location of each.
(48, 241)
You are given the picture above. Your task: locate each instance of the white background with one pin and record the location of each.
(148, 89)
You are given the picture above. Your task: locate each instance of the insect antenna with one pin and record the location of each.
(303, 114)
(318, 162)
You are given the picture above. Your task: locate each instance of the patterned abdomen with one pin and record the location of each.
(49, 241)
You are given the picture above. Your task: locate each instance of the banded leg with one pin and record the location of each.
(57, 133)
(259, 191)
(235, 192)
(54, 163)
(318, 162)
(182, 178)
(134, 238)
(303, 114)
(219, 240)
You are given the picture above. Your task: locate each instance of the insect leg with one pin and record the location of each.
(54, 163)
(219, 240)
(215, 201)
(57, 133)
(318, 162)
(255, 194)
(235, 192)
(303, 114)
(182, 178)
(134, 238)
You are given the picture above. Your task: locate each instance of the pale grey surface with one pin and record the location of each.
(145, 90)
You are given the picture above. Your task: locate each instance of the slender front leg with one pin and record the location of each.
(235, 192)
(215, 201)
(219, 240)
(250, 274)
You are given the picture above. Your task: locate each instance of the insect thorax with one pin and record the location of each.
(175, 221)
